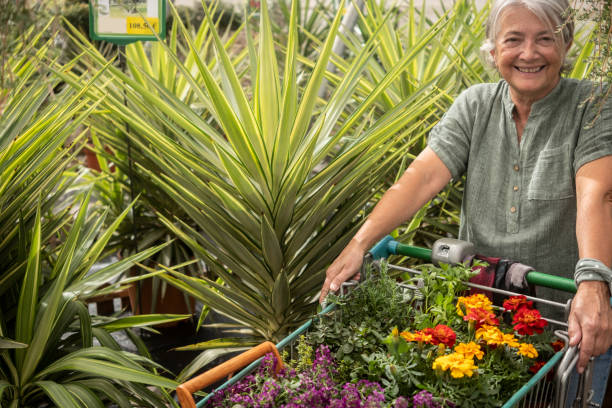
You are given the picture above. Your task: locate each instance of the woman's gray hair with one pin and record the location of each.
(553, 13)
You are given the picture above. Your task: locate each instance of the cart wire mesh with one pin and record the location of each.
(546, 389)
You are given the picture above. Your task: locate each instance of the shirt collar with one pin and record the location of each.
(539, 107)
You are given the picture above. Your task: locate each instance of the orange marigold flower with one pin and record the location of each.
(417, 336)
(469, 350)
(465, 303)
(558, 345)
(441, 334)
(528, 321)
(481, 316)
(458, 364)
(510, 340)
(527, 350)
(514, 303)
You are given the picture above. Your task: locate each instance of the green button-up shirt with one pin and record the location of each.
(519, 200)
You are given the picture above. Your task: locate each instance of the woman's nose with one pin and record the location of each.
(529, 49)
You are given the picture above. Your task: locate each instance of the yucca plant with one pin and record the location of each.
(448, 65)
(269, 181)
(48, 353)
(117, 182)
(35, 125)
(48, 356)
(141, 229)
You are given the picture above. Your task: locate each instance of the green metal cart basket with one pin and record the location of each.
(537, 392)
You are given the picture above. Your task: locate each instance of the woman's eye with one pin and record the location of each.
(546, 40)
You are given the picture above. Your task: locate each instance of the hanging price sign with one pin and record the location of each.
(125, 21)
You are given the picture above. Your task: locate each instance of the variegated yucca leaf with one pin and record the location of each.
(46, 331)
(269, 181)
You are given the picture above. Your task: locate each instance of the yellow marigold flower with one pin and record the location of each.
(490, 334)
(395, 332)
(458, 364)
(475, 301)
(441, 363)
(510, 340)
(527, 350)
(469, 350)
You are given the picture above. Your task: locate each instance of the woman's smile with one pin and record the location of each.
(527, 70)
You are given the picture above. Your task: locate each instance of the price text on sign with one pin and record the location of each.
(137, 25)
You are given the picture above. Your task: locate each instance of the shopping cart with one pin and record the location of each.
(538, 392)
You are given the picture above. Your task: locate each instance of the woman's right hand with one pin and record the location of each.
(345, 266)
(423, 179)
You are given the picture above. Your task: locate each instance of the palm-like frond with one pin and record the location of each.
(269, 180)
(449, 63)
(60, 363)
(47, 252)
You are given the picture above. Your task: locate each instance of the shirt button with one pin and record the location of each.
(516, 167)
(513, 209)
(515, 188)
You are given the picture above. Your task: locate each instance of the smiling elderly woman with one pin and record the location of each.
(538, 183)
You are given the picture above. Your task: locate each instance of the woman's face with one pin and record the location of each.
(526, 54)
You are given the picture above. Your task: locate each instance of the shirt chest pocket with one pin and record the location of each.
(552, 177)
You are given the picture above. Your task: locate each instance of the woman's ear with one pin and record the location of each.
(493, 56)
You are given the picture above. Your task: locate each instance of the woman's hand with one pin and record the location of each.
(344, 267)
(423, 179)
(590, 321)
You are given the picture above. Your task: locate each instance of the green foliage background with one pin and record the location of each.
(238, 160)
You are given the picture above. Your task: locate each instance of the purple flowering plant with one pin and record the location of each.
(305, 385)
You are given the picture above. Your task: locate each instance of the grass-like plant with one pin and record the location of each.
(51, 350)
(268, 180)
(450, 64)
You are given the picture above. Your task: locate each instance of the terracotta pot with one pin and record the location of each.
(169, 300)
(91, 160)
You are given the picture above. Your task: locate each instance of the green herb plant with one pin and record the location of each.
(439, 286)
(362, 319)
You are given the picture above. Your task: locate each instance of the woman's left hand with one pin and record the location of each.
(590, 321)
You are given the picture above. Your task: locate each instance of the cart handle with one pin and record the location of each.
(388, 246)
(185, 391)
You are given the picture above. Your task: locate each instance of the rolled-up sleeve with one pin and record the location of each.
(595, 138)
(450, 138)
